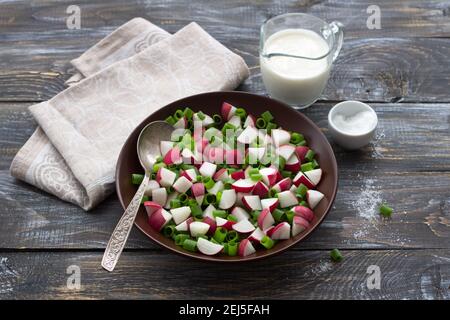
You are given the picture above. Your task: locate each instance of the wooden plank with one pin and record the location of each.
(412, 274)
(369, 68)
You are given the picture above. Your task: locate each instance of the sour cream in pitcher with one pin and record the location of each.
(296, 81)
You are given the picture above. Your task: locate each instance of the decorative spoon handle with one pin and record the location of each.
(122, 231)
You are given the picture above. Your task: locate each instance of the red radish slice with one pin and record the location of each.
(165, 146)
(243, 185)
(201, 145)
(265, 219)
(252, 202)
(239, 197)
(301, 178)
(207, 169)
(269, 203)
(235, 121)
(304, 212)
(218, 186)
(286, 151)
(207, 247)
(184, 226)
(299, 225)
(240, 214)
(292, 164)
(190, 157)
(159, 196)
(221, 174)
(280, 137)
(281, 231)
(182, 185)
(248, 135)
(233, 157)
(228, 111)
(151, 207)
(243, 226)
(279, 176)
(246, 248)
(207, 121)
(159, 219)
(228, 199)
(301, 152)
(165, 177)
(152, 185)
(268, 230)
(260, 189)
(238, 175)
(212, 224)
(224, 223)
(170, 197)
(314, 176)
(255, 154)
(198, 228)
(208, 212)
(313, 197)
(214, 154)
(287, 199)
(198, 189)
(282, 185)
(256, 235)
(181, 123)
(180, 214)
(173, 156)
(269, 175)
(190, 174)
(250, 121)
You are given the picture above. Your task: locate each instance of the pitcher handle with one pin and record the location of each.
(338, 29)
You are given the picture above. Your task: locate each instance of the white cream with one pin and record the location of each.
(357, 123)
(294, 80)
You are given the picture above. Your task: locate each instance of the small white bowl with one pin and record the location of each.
(349, 140)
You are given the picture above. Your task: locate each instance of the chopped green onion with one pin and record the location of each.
(226, 127)
(303, 204)
(290, 216)
(217, 118)
(308, 166)
(255, 214)
(270, 126)
(241, 113)
(137, 178)
(190, 245)
(256, 176)
(296, 137)
(220, 234)
(201, 115)
(267, 242)
(386, 211)
(301, 190)
(232, 236)
(232, 248)
(336, 255)
(218, 196)
(301, 143)
(158, 166)
(272, 193)
(225, 247)
(169, 230)
(315, 163)
(196, 210)
(178, 114)
(232, 218)
(210, 198)
(220, 213)
(310, 155)
(286, 174)
(175, 203)
(267, 116)
(279, 215)
(188, 113)
(180, 238)
(183, 198)
(170, 120)
(261, 123)
(208, 182)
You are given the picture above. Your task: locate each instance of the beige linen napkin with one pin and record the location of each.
(84, 127)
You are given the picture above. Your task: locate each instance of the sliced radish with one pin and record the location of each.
(256, 235)
(228, 111)
(243, 185)
(182, 185)
(240, 214)
(269, 175)
(208, 212)
(212, 132)
(152, 185)
(252, 202)
(246, 248)
(282, 185)
(239, 197)
(255, 154)
(235, 121)
(214, 154)
(314, 176)
(269, 203)
(286, 151)
(313, 197)
(151, 207)
(207, 121)
(287, 199)
(301, 178)
(228, 199)
(212, 224)
(224, 223)
(250, 121)
(292, 164)
(198, 189)
(181, 123)
(165, 146)
(234, 156)
(207, 247)
(160, 196)
(280, 137)
(200, 145)
(238, 175)
(301, 152)
(165, 177)
(243, 226)
(265, 219)
(221, 174)
(218, 186)
(170, 197)
(207, 169)
(260, 189)
(184, 226)
(190, 174)
(248, 135)
(299, 225)
(304, 212)
(198, 228)
(173, 156)
(159, 219)
(293, 188)
(281, 231)
(180, 214)
(199, 199)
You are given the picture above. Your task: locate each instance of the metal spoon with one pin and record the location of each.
(148, 150)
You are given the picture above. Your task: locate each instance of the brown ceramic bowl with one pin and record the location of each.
(210, 103)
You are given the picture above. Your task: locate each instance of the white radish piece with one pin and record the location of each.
(212, 132)
(282, 185)
(165, 146)
(256, 235)
(281, 231)
(292, 164)
(313, 197)
(218, 186)
(224, 223)
(173, 156)
(207, 121)
(252, 202)
(221, 174)
(182, 185)
(228, 199)
(228, 111)
(239, 197)
(212, 224)
(260, 189)
(243, 226)
(245, 248)
(208, 169)
(243, 185)
(190, 174)
(240, 214)
(170, 197)
(255, 154)
(160, 196)
(207, 247)
(280, 137)
(198, 189)
(235, 121)
(269, 175)
(152, 185)
(304, 212)
(314, 176)
(299, 225)
(300, 178)
(250, 121)
(285, 151)
(265, 219)
(293, 189)
(287, 199)
(248, 135)
(181, 123)
(184, 226)
(198, 228)
(180, 214)
(269, 203)
(159, 219)
(208, 212)
(151, 207)
(165, 177)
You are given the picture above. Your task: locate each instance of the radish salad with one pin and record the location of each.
(231, 183)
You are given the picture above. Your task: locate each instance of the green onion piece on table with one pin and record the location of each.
(386, 211)
(336, 255)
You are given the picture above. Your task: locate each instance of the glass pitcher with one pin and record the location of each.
(296, 53)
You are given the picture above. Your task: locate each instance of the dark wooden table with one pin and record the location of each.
(402, 70)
